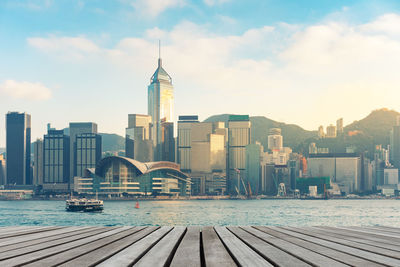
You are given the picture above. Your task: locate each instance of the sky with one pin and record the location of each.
(307, 62)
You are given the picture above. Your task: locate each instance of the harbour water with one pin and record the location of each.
(208, 212)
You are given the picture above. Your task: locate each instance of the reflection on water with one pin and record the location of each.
(208, 212)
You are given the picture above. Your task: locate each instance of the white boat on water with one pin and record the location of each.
(83, 204)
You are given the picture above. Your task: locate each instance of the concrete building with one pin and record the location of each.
(56, 162)
(87, 153)
(75, 129)
(321, 133)
(2, 169)
(339, 126)
(343, 169)
(138, 143)
(391, 176)
(202, 153)
(330, 131)
(239, 136)
(18, 148)
(275, 139)
(184, 141)
(160, 105)
(38, 162)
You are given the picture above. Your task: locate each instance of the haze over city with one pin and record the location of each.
(307, 63)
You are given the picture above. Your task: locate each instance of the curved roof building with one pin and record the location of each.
(116, 175)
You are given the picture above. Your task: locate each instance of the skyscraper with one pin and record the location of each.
(38, 162)
(395, 146)
(275, 139)
(339, 126)
(160, 104)
(56, 164)
(138, 144)
(167, 141)
(18, 148)
(76, 128)
(88, 152)
(239, 136)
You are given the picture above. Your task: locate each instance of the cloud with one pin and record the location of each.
(66, 47)
(34, 5)
(275, 68)
(153, 8)
(215, 2)
(25, 90)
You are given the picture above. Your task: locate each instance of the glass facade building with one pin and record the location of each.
(160, 105)
(138, 143)
(56, 161)
(118, 175)
(239, 136)
(18, 148)
(38, 162)
(88, 152)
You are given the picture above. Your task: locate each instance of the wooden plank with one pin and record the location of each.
(325, 251)
(49, 251)
(300, 252)
(99, 255)
(188, 252)
(73, 253)
(10, 229)
(383, 235)
(360, 238)
(272, 254)
(133, 253)
(366, 247)
(324, 241)
(21, 241)
(394, 229)
(28, 231)
(37, 246)
(243, 254)
(215, 253)
(161, 254)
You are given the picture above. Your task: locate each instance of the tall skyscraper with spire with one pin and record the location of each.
(160, 105)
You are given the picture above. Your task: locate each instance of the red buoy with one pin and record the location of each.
(137, 205)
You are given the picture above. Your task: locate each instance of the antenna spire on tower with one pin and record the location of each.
(159, 52)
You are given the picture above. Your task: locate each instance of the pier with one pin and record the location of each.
(199, 246)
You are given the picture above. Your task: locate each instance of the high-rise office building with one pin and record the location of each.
(138, 143)
(87, 153)
(254, 157)
(167, 141)
(339, 126)
(321, 133)
(239, 136)
(56, 163)
(275, 139)
(2, 169)
(395, 146)
(76, 128)
(160, 105)
(18, 148)
(38, 162)
(330, 131)
(184, 141)
(202, 153)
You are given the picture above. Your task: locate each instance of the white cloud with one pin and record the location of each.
(35, 5)
(25, 90)
(215, 2)
(322, 67)
(66, 47)
(153, 8)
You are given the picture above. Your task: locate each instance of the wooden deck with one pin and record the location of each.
(199, 246)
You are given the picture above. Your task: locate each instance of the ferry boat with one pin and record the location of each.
(83, 204)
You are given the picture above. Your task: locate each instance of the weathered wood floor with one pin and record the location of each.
(199, 246)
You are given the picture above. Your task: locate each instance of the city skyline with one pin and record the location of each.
(95, 70)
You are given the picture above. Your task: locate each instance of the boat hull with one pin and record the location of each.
(86, 208)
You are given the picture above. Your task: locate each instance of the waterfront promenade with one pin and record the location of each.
(199, 246)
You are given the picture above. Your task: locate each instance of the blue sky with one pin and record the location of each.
(304, 62)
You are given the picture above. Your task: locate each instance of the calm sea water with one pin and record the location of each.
(208, 212)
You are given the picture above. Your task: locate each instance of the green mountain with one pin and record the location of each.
(363, 135)
(293, 135)
(112, 142)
